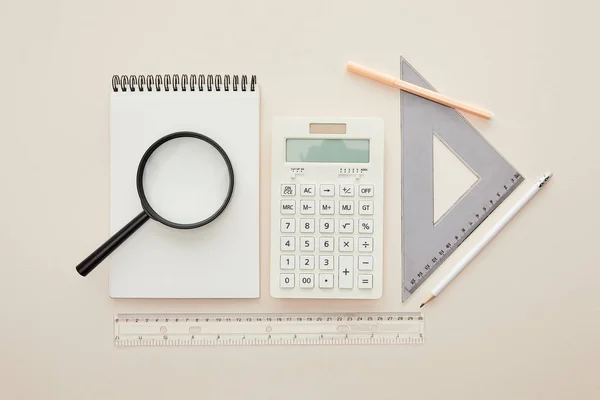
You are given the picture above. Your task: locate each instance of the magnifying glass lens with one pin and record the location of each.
(186, 180)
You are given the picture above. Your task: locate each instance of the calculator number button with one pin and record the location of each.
(365, 263)
(365, 207)
(326, 225)
(346, 225)
(288, 189)
(365, 244)
(365, 281)
(326, 281)
(288, 243)
(346, 190)
(327, 190)
(365, 226)
(307, 207)
(346, 207)
(365, 190)
(287, 225)
(307, 190)
(287, 262)
(326, 262)
(346, 272)
(307, 281)
(288, 206)
(327, 207)
(307, 243)
(307, 225)
(286, 281)
(346, 244)
(307, 262)
(326, 244)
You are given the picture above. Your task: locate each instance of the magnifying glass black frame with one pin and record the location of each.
(94, 259)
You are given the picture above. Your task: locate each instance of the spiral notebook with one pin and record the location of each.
(221, 259)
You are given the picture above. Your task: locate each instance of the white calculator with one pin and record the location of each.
(327, 208)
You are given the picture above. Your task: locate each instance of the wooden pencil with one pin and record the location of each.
(417, 90)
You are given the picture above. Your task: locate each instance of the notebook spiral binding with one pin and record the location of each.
(157, 83)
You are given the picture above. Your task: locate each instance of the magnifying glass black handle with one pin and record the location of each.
(92, 261)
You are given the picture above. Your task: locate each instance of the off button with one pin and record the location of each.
(365, 190)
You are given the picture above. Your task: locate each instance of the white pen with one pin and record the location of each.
(487, 238)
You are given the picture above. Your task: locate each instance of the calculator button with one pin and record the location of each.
(288, 243)
(365, 244)
(307, 262)
(365, 263)
(346, 207)
(346, 272)
(326, 281)
(307, 243)
(307, 225)
(326, 262)
(346, 225)
(326, 225)
(288, 225)
(346, 190)
(307, 190)
(287, 262)
(365, 281)
(307, 281)
(365, 190)
(327, 206)
(307, 207)
(365, 226)
(346, 244)
(288, 189)
(326, 244)
(288, 206)
(365, 207)
(327, 190)
(286, 281)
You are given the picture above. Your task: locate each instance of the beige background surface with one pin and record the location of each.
(520, 323)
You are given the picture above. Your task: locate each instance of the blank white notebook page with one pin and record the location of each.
(219, 260)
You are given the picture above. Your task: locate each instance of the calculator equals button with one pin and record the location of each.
(365, 281)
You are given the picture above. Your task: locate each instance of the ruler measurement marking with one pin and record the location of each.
(464, 233)
(298, 329)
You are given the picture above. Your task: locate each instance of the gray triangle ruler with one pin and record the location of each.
(426, 243)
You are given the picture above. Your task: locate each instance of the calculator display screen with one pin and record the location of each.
(327, 150)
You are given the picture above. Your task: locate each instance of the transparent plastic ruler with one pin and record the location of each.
(268, 329)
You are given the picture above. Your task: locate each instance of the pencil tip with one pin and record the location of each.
(422, 304)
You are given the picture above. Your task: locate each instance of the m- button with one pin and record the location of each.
(365, 190)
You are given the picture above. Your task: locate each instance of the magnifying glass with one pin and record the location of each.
(184, 181)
